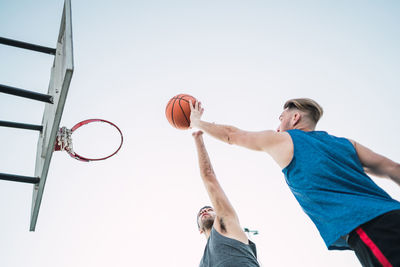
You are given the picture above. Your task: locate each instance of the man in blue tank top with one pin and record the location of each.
(328, 177)
(227, 244)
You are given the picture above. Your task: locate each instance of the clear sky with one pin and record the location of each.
(243, 60)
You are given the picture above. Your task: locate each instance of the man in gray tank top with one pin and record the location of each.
(227, 244)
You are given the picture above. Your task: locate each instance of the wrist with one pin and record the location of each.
(196, 123)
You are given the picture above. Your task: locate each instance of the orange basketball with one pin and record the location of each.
(178, 111)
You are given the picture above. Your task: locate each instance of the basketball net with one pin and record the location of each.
(64, 140)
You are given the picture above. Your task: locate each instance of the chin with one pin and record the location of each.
(208, 223)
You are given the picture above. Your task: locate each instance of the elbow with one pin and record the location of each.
(232, 135)
(229, 140)
(209, 178)
(208, 174)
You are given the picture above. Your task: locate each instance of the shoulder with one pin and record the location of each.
(354, 143)
(275, 137)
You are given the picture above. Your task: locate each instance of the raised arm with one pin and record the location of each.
(376, 164)
(278, 144)
(226, 221)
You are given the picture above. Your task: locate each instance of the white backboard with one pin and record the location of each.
(60, 78)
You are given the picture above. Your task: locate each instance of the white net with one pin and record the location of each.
(64, 140)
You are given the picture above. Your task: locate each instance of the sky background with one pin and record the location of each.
(243, 60)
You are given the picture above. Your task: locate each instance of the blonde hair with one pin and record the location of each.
(307, 105)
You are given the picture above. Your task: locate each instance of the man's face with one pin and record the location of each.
(205, 218)
(286, 120)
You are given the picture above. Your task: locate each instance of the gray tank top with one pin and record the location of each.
(222, 251)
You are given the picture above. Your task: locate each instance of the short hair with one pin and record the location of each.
(198, 213)
(312, 108)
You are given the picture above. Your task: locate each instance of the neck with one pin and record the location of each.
(304, 127)
(207, 233)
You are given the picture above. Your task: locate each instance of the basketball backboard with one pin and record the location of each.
(60, 78)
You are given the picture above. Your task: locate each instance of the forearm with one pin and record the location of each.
(218, 131)
(206, 169)
(219, 200)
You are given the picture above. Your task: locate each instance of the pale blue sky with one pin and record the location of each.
(243, 60)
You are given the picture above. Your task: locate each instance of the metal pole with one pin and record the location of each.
(21, 125)
(28, 46)
(25, 93)
(19, 178)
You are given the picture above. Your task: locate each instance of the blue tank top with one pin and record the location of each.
(327, 179)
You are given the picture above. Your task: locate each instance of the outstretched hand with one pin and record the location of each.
(196, 112)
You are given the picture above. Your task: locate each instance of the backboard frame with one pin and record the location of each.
(60, 79)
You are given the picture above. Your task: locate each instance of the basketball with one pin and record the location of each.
(178, 111)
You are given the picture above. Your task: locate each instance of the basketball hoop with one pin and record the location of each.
(64, 140)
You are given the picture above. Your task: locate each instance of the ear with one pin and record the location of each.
(201, 231)
(296, 118)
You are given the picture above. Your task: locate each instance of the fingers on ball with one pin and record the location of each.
(178, 111)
